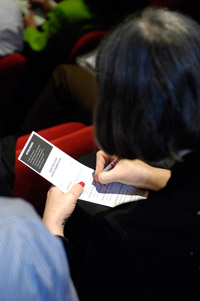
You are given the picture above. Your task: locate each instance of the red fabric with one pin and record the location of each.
(172, 4)
(9, 62)
(75, 139)
(11, 70)
(52, 133)
(87, 42)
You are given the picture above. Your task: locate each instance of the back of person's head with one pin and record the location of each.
(188, 7)
(149, 86)
(33, 262)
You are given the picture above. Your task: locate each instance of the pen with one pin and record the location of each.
(109, 166)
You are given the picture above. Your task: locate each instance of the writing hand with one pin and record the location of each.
(132, 172)
(102, 159)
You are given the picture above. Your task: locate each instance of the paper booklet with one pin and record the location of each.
(63, 171)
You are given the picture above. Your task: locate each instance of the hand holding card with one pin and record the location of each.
(63, 171)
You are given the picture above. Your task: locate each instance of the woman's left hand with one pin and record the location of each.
(59, 206)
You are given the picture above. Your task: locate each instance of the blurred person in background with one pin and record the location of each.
(11, 28)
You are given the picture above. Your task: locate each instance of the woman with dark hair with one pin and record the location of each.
(148, 115)
(150, 83)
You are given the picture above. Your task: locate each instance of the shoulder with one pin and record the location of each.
(10, 10)
(11, 28)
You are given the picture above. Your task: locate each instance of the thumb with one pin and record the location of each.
(106, 177)
(77, 189)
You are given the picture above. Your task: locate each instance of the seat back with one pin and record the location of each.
(11, 70)
(86, 43)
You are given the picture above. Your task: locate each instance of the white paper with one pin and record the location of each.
(63, 171)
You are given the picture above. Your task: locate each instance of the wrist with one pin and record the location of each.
(53, 227)
(158, 178)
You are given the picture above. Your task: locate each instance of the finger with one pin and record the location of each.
(101, 160)
(106, 177)
(76, 190)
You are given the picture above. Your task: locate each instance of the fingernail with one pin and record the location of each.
(82, 184)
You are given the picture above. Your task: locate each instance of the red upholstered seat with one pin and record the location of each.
(86, 43)
(74, 138)
(11, 70)
(172, 4)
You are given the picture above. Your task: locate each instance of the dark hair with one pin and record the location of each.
(148, 71)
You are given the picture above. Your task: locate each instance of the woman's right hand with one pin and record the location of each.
(131, 172)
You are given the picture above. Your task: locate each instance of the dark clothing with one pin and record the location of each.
(144, 250)
(7, 162)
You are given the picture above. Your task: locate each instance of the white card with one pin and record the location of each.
(63, 171)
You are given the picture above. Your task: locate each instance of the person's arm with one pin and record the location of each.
(59, 206)
(38, 39)
(63, 15)
(131, 172)
(29, 20)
